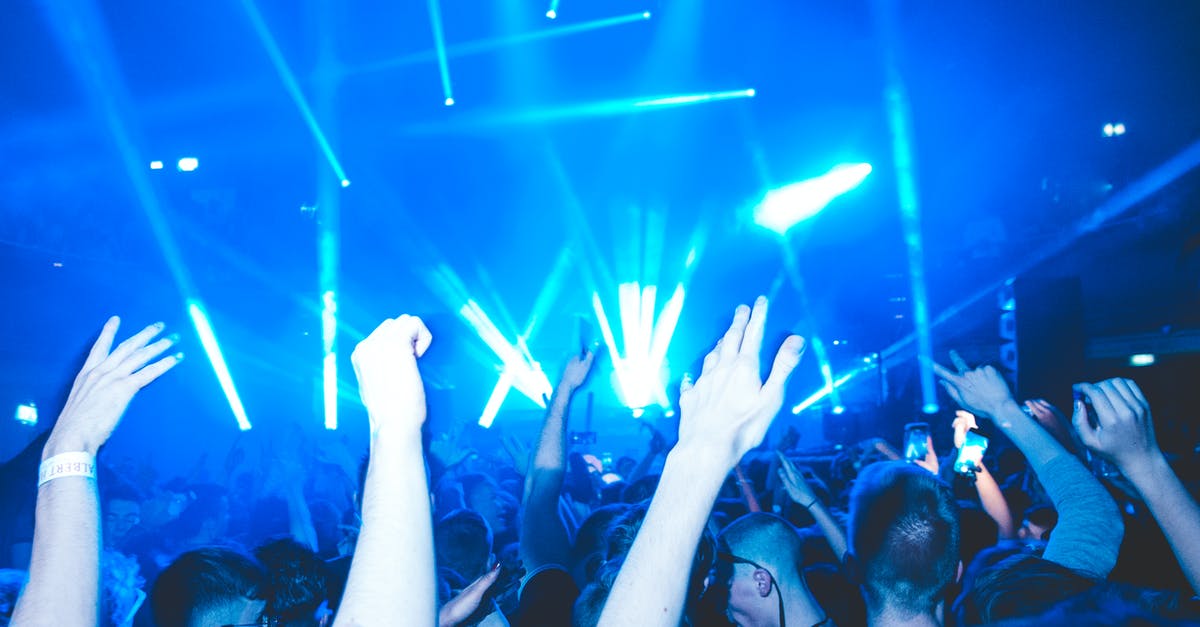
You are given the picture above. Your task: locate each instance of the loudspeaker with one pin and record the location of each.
(1042, 323)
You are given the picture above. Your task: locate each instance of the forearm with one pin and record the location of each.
(396, 540)
(995, 504)
(829, 526)
(540, 518)
(651, 587)
(643, 467)
(1089, 530)
(64, 573)
(542, 524)
(1174, 509)
(551, 451)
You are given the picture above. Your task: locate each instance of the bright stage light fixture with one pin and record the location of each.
(1139, 361)
(208, 340)
(552, 14)
(156, 165)
(26, 414)
(787, 206)
(187, 164)
(345, 182)
(645, 339)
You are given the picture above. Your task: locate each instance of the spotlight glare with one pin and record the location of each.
(345, 182)
(156, 165)
(26, 414)
(552, 14)
(839, 409)
(639, 370)
(449, 102)
(187, 164)
(783, 208)
(645, 15)
(329, 363)
(1118, 129)
(208, 340)
(638, 412)
(931, 408)
(670, 413)
(1138, 361)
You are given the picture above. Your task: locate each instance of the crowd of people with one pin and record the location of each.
(1079, 520)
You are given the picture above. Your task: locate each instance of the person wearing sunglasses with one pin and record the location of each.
(759, 561)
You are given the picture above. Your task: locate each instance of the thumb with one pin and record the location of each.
(785, 362)
(1086, 433)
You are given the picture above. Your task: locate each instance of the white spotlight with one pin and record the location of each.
(188, 164)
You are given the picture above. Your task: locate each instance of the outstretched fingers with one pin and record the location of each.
(786, 360)
(752, 339)
(731, 343)
(103, 344)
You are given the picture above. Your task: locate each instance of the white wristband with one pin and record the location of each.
(67, 465)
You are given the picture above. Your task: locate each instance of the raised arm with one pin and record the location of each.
(540, 519)
(1124, 434)
(802, 494)
(1090, 529)
(64, 574)
(391, 579)
(990, 495)
(724, 415)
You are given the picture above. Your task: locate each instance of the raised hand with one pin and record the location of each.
(462, 606)
(981, 391)
(964, 421)
(577, 369)
(797, 488)
(107, 383)
(728, 409)
(1124, 431)
(388, 378)
(519, 453)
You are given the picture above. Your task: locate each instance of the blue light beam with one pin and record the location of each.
(781, 209)
(293, 88)
(899, 116)
(645, 340)
(329, 371)
(439, 46)
(208, 340)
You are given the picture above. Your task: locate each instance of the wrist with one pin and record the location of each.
(58, 443)
(702, 462)
(1147, 471)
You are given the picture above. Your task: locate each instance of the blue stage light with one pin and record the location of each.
(787, 206)
(156, 165)
(449, 102)
(639, 367)
(552, 14)
(26, 414)
(345, 182)
(208, 340)
(1138, 361)
(638, 412)
(329, 362)
(931, 408)
(187, 164)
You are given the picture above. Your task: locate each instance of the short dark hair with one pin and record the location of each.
(463, 541)
(904, 535)
(297, 581)
(201, 580)
(1020, 585)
